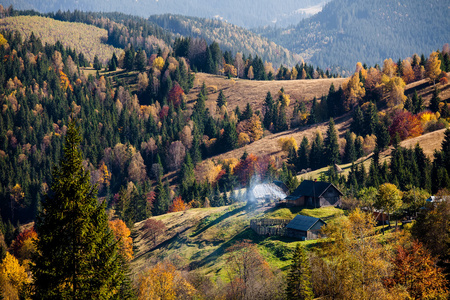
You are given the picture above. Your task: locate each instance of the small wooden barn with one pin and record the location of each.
(304, 227)
(314, 194)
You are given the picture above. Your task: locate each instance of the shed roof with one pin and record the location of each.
(303, 223)
(311, 188)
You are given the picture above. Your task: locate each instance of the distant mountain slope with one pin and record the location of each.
(247, 13)
(347, 31)
(88, 39)
(229, 37)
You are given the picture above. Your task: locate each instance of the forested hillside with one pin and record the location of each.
(164, 142)
(230, 37)
(368, 31)
(248, 13)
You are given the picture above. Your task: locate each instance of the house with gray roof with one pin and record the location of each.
(304, 227)
(314, 194)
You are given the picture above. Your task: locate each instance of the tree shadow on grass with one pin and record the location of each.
(247, 234)
(218, 220)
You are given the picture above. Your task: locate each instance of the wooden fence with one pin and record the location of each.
(269, 227)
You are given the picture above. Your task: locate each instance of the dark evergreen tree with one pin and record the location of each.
(417, 103)
(97, 64)
(316, 155)
(195, 150)
(423, 164)
(216, 55)
(359, 147)
(229, 138)
(161, 205)
(299, 277)
(281, 123)
(302, 155)
(383, 137)
(446, 149)
(237, 113)
(128, 61)
(268, 110)
(312, 114)
(77, 256)
(113, 63)
(221, 100)
(210, 65)
(409, 105)
(349, 154)
(358, 121)
(331, 144)
(140, 60)
(247, 113)
(435, 100)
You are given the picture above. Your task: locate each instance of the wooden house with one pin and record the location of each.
(314, 194)
(304, 227)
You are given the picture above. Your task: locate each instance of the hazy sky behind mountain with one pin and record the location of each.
(246, 13)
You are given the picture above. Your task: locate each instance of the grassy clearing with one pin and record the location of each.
(325, 213)
(199, 238)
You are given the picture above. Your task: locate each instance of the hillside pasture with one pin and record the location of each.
(239, 92)
(88, 39)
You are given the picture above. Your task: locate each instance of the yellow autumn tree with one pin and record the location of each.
(212, 171)
(294, 73)
(105, 175)
(353, 256)
(359, 68)
(389, 67)
(243, 139)
(163, 282)
(353, 91)
(288, 144)
(396, 88)
(122, 236)
(158, 63)
(433, 67)
(284, 98)
(255, 128)
(250, 74)
(230, 70)
(13, 277)
(3, 41)
(408, 72)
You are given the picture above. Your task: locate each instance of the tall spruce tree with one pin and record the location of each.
(312, 114)
(435, 100)
(268, 111)
(77, 257)
(299, 277)
(349, 154)
(331, 144)
(221, 100)
(317, 152)
(302, 155)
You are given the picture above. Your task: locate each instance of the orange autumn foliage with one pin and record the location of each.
(122, 235)
(246, 168)
(415, 270)
(178, 205)
(406, 125)
(65, 82)
(23, 246)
